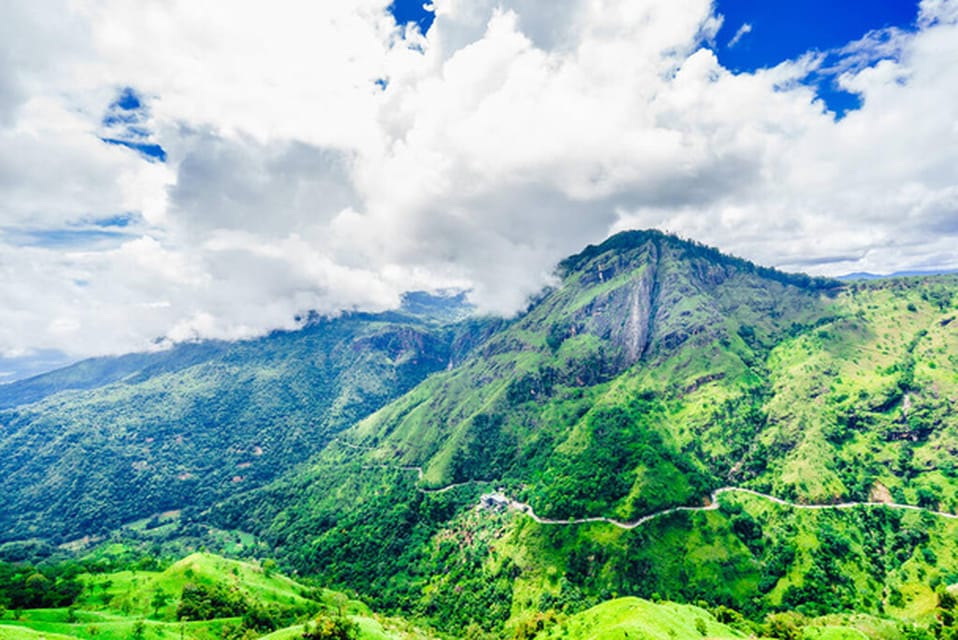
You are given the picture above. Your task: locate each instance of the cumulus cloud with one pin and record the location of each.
(320, 157)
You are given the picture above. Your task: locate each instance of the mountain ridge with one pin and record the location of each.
(788, 387)
(178, 428)
(656, 372)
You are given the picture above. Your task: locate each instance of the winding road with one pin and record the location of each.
(713, 504)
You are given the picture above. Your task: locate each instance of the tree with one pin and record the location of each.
(269, 566)
(331, 628)
(159, 600)
(37, 586)
(340, 601)
(700, 626)
(785, 626)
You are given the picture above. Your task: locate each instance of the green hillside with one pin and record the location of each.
(634, 618)
(241, 600)
(252, 600)
(656, 372)
(486, 476)
(182, 429)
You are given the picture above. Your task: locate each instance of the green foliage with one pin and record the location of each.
(212, 587)
(184, 428)
(330, 628)
(24, 586)
(602, 474)
(635, 618)
(207, 602)
(159, 600)
(486, 452)
(785, 626)
(656, 372)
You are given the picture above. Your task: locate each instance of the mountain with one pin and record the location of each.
(666, 422)
(94, 373)
(13, 368)
(109, 440)
(657, 371)
(865, 275)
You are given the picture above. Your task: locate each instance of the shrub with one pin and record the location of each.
(325, 627)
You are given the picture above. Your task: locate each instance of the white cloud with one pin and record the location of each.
(509, 136)
(743, 31)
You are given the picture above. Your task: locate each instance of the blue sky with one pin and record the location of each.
(763, 33)
(780, 31)
(165, 178)
(783, 30)
(126, 121)
(406, 11)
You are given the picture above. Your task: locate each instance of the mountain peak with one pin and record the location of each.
(621, 242)
(625, 243)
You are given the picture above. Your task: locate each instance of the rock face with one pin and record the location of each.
(654, 295)
(623, 316)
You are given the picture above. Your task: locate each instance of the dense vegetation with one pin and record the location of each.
(24, 586)
(205, 597)
(184, 428)
(657, 371)
(200, 596)
(652, 376)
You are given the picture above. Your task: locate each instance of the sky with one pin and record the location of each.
(176, 170)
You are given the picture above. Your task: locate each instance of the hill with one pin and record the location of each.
(634, 618)
(200, 597)
(203, 596)
(655, 372)
(110, 440)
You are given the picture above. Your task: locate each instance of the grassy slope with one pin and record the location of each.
(656, 372)
(869, 397)
(131, 591)
(635, 618)
(111, 604)
(742, 378)
(189, 432)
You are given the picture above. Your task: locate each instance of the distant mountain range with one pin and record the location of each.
(13, 368)
(864, 275)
